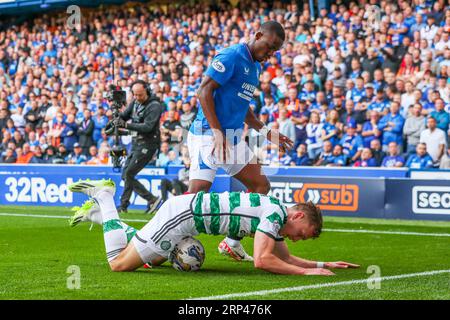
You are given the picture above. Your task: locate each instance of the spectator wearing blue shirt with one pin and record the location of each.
(398, 29)
(378, 80)
(441, 116)
(330, 129)
(321, 99)
(104, 138)
(380, 103)
(269, 108)
(163, 156)
(417, 26)
(420, 160)
(392, 126)
(100, 121)
(308, 92)
(339, 159)
(300, 158)
(393, 159)
(174, 159)
(326, 155)
(268, 88)
(370, 129)
(358, 92)
(283, 158)
(77, 156)
(366, 160)
(363, 104)
(352, 142)
(69, 133)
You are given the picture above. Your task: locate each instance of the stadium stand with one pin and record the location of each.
(348, 78)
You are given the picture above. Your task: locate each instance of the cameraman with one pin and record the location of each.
(144, 112)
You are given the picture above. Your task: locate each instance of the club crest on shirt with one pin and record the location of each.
(165, 245)
(218, 66)
(246, 70)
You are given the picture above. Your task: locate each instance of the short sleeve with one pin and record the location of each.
(442, 139)
(422, 137)
(271, 224)
(222, 67)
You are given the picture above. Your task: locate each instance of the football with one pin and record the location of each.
(188, 255)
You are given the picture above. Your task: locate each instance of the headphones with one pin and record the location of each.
(145, 84)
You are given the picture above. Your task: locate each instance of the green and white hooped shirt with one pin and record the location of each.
(238, 214)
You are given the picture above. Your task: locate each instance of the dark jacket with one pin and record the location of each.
(370, 65)
(85, 132)
(37, 159)
(145, 121)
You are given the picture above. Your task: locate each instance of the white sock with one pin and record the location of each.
(113, 231)
(232, 242)
(129, 230)
(96, 216)
(108, 209)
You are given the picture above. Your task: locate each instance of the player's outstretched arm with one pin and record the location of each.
(282, 251)
(266, 259)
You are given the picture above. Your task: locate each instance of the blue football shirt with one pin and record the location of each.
(238, 75)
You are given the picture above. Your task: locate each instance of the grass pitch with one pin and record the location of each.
(36, 254)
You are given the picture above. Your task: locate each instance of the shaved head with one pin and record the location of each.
(275, 28)
(269, 39)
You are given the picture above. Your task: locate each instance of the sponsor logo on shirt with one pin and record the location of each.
(249, 89)
(218, 66)
(246, 70)
(431, 200)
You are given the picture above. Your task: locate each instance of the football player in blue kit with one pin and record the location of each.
(215, 137)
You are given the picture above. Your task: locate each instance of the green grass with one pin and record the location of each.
(35, 254)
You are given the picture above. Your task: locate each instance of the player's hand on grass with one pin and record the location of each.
(318, 272)
(340, 265)
(283, 142)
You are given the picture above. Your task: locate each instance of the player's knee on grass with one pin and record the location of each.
(119, 266)
(127, 260)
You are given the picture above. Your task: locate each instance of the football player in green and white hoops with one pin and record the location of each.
(235, 213)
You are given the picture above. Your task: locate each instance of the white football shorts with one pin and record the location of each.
(204, 165)
(172, 222)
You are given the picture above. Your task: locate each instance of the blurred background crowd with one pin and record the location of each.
(362, 84)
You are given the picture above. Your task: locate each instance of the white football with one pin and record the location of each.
(188, 255)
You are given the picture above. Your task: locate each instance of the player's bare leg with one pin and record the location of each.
(129, 260)
(120, 251)
(197, 185)
(253, 179)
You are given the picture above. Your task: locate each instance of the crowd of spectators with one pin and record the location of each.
(359, 84)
